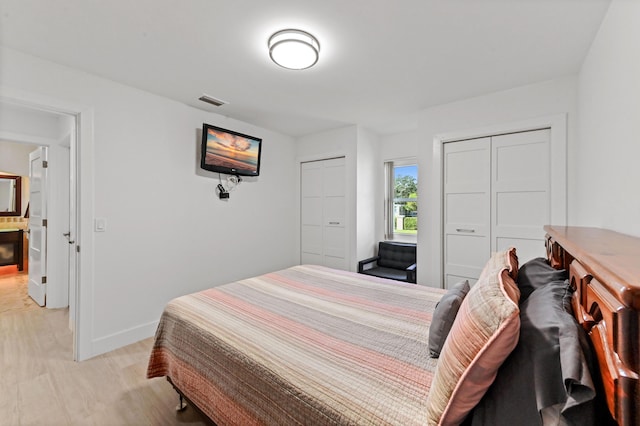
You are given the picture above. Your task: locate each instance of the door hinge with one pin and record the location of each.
(77, 249)
(44, 279)
(44, 222)
(45, 164)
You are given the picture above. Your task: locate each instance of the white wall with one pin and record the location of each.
(399, 145)
(369, 199)
(14, 157)
(167, 232)
(37, 126)
(519, 104)
(609, 125)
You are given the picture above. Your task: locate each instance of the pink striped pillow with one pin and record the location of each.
(483, 334)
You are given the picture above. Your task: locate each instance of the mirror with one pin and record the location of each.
(10, 196)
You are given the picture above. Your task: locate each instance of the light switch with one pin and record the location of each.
(100, 224)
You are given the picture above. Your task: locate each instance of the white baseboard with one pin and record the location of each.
(123, 338)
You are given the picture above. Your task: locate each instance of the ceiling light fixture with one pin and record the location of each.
(294, 49)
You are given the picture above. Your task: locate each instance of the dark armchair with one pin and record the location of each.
(396, 261)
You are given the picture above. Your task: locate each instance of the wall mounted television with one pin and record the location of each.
(229, 152)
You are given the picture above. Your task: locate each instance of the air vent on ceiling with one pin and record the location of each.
(211, 100)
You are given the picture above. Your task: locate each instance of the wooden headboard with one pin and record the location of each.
(604, 269)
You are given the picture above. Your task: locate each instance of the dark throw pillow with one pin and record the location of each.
(537, 273)
(549, 371)
(444, 315)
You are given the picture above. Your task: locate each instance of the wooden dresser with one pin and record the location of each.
(604, 269)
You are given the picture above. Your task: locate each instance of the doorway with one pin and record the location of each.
(32, 125)
(323, 224)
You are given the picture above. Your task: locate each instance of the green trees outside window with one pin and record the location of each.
(405, 199)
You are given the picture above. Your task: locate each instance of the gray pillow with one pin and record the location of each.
(535, 274)
(549, 371)
(444, 315)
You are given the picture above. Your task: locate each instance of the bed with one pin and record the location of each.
(312, 345)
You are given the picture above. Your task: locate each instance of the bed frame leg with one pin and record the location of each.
(182, 405)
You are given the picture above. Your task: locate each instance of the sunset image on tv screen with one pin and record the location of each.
(233, 151)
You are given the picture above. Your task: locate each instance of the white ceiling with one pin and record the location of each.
(381, 60)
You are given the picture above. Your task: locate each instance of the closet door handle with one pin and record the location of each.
(467, 231)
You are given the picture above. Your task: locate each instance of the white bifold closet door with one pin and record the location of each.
(496, 195)
(520, 192)
(323, 227)
(467, 209)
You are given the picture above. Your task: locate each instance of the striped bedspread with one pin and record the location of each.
(305, 345)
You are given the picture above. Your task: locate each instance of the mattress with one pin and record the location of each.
(304, 345)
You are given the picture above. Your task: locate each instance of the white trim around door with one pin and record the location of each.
(558, 167)
(82, 147)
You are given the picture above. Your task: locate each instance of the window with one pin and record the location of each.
(401, 200)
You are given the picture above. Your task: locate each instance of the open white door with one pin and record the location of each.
(38, 225)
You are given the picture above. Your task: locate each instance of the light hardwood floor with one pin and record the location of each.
(41, 385)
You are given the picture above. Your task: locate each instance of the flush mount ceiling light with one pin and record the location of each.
(294, 49)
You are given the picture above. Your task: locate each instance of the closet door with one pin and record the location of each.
(497, 194)
(520, 192)
(467, 209)
(323, 229)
